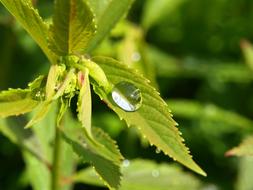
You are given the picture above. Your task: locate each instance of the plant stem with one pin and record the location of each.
(56, 160)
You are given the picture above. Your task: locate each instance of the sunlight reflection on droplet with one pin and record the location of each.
(136, 56)
(155, 173)
(126, 163)
(127, 96)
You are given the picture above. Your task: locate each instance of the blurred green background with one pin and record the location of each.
(190, 50)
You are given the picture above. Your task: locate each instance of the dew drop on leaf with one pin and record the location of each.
(157, 151)
(38, 94)
(126, 163)
(155, 173)
(136, 56)
(127, 96)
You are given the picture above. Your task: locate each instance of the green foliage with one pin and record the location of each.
(84, 102)
(73, 27)
(244, 149)
(102, 154)
(16, 106)
(140, 174)
(20, 101)
(244, 181)
(153, 118)
(194, 45)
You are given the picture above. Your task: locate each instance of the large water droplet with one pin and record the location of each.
(127, 96)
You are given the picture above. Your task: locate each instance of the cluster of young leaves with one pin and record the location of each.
(77, 28)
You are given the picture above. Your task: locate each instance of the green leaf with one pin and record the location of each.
(245, 174)
(45, 132)
(73, 27)
(153, 118)
(34, 156)
(16, 102)
(102, 155)
(95, 72)
(244, 149)
(67, 86)
(40, 113)
(144, 174)
(84, 103)
(31, 21)
(108, 13)
(55, 72)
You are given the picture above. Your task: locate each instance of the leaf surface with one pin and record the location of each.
(16, 102)
(102, 155)
(42, 111)
(244, 149)
(153, 119)
(245, 174)
(73, 26)
(144, 174)
(84, 103)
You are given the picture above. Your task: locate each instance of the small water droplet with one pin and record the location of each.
(155, 173)
(85, 145)
(136, 56)
(127, 96)
(157, 151)
(38, 94)
(126, 163)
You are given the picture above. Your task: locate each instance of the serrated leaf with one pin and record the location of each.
(67, 85)
(42, 111)
(153, 118)
(73, 27)
(108, 13)
(244, 149)
(102, 155)
(144, 174)
(16, 102)
(37, 149)
(84, 103)
(31, 21)
(245, 174)
(32, 149)
(52, 80)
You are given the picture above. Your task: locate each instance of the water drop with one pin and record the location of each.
(38, 94)
(127, 96)
(126, 163)
(157, 151)
(155, 173)
(136, 56)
